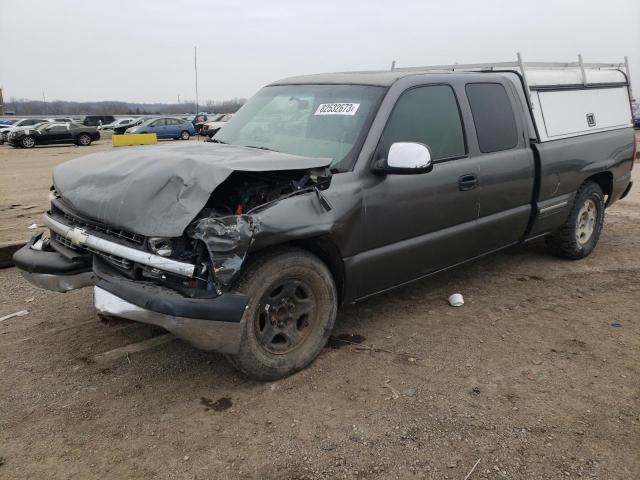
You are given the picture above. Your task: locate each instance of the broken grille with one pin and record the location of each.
(112, 232)
(117, 261)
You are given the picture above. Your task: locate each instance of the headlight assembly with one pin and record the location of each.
(161, 246)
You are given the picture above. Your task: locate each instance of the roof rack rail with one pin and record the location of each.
(523, 66)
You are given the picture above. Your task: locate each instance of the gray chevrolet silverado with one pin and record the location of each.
(324, 190)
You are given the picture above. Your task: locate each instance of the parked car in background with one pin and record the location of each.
(18, 124)
(54, 133)
(121, 129)
(165, 127)
(4, 134)
(635, 108)
(211, 128)
(6, 122)
(120, 122)
(97, 120)
(202, 118)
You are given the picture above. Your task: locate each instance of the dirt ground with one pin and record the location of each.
(536, 376)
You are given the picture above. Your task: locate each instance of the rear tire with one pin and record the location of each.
(291, 311)
(83, 140)
(28, 142)
(579, 235)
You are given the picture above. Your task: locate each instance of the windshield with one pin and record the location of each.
(324, 121)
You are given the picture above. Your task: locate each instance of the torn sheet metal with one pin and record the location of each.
(157, 190)
(228, 239)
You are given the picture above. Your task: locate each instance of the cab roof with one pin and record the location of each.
(382, 78)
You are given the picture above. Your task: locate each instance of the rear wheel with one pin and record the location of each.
(28, 141)
(291, 312)
(580, 233)
(84, 140)
(184, 135)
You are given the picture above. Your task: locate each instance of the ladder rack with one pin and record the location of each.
(523, 66)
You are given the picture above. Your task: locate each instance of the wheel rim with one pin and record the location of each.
(286, 316)
(185, 135)
(28, 142)
(84, 140)
(586, 222)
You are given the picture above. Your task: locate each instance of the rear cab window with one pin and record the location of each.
(493, 116)
(429, 115)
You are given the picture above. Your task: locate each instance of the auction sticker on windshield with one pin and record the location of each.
(337, 109)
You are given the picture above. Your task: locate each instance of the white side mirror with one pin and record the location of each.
(408, 157)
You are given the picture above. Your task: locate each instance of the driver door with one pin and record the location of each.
(416, 224)
(159, 128)
(56, 134)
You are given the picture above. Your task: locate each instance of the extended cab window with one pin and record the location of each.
(427, 115)
(493, 117)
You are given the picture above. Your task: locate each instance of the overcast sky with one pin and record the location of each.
(143, 51)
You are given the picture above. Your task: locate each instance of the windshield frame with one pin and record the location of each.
(347, 163)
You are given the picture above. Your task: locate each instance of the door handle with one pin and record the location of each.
(467, 182)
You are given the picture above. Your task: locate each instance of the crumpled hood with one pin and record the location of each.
(158, 190)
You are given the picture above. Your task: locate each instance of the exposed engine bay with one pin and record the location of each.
(244, 192)
(229, 221)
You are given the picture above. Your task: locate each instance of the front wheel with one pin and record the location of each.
(28, 141)
(84, 140)
(580, 233)
(185, 135)
(290, 315)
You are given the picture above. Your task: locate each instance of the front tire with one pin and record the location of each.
(579, 235)
(290, 315)
(83, 140)
(184, 135)
(28, 141)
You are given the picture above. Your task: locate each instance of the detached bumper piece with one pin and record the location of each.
(207, 323)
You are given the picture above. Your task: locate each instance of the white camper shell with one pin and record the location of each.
(566, 99)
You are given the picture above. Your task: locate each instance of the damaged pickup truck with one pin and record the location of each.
(326, 189)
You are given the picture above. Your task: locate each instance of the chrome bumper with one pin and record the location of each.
(222, 337)
(81, 238)
(60, 283)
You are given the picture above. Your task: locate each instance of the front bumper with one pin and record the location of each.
(218, 336)
(81, 237)
(214, 323)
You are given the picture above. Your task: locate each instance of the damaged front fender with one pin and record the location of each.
(227, 240)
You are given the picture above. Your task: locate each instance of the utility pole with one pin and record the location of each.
(44, 103)
(195, 64)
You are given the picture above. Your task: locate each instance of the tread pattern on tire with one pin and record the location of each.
(254, 264)
(563, 242)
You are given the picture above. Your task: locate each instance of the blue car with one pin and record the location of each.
(165, 127)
